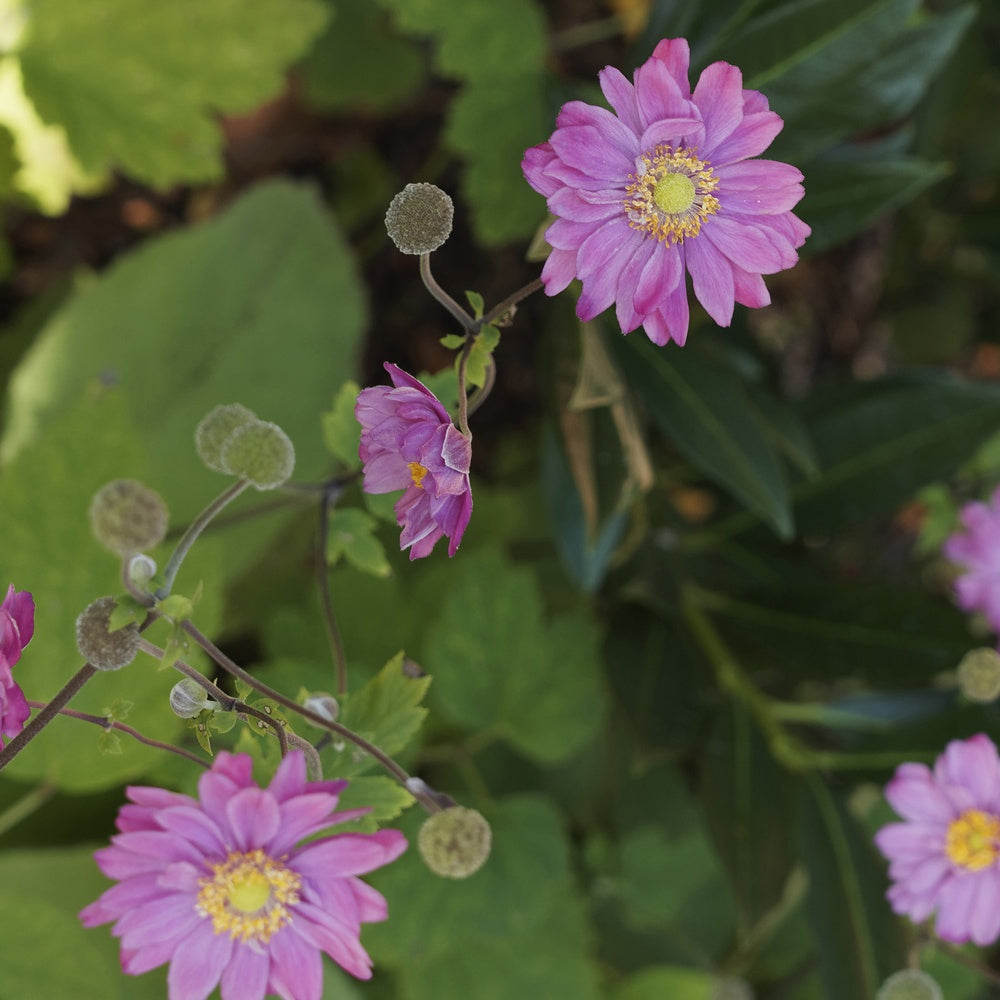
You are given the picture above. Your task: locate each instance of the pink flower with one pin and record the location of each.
(945, 856)
(222, 889)
(17, 625)
(409, 443)
(663, 184)
(978, 550)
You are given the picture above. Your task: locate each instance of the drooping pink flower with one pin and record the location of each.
(409, 443)
(667, 183)
(17, 626)
(223, 890)
(977, 549)
(945, 856)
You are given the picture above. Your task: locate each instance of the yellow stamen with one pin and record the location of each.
(669, 196)
(248, 896)
(417, 471)
(973, 840)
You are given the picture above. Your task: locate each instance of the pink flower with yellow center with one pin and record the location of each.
(667, 184)
(224, 890)
(409, 443)
(17, 625)
(945, 855)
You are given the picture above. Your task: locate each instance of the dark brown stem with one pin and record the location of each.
(512, 300)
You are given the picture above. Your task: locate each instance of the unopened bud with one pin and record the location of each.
(188, 698)
(214, 430)
(910, 984)
(419, 218)
(261, 452)
(323, 704)
(979, 675)
(102, 649)
(141, 569)
(126, 516)
(455, 842)
(731, 988)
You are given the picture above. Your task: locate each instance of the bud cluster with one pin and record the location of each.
(102, 648)
(232, 440)
(419, 218)
(455, 842)
(128, 517)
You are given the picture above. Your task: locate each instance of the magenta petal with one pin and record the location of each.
(659, 278)
(296, 971)
(719, 97)
(351, 853)
(712, 280)
(675, 54)
(254, 818)
(246, 975)
(197, 965)
(621, 96)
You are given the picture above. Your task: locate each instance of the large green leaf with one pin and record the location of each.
(709, 418)
(880, 442)
(497, 663)
(858, 940)
(143, 93)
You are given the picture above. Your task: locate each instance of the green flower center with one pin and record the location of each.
(674, 193)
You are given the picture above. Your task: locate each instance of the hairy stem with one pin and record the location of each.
(430, 283)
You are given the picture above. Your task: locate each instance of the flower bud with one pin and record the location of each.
(126, 517)
(102, 649)
(419, 218)
(188, 699)
(455, 842)
(261, 452)
(979, 675)
(731, 988)
(323, 704)
(214, 430)
(910, 984)
(141, 569)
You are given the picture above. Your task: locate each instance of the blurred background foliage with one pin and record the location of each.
(699, 614)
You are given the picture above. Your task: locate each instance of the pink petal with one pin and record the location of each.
(296, 970)
(659, 278)
(589, 150)
(621, 96)
(711, 278)
(719, 97)
(254, 817)
(197, 964)
(753, 135)
(676, 56)
(245, 977)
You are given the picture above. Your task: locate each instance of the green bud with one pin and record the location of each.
(419, 218)
(141, 569)
(455, 842)
(731, 988)
(214, 430)
(979, 675)
(188, 698)
(105, 650)
(127, 517)
(910, 984)
(261, 452)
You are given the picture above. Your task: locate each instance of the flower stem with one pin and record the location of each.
(508, 303)
(330, 496)
(463, 397)
(46, 715)
(26, 805)
(334, 727)
(194, 529)
(468, 323)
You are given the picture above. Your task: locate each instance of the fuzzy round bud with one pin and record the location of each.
(731, 988)
(910, 984)
(103, 649)
(455, 842)
(188, 699)
(141, 569)
(261, 452)
(323, 704)
(214, 430)
(419, 218)
(126, 517)
(979, 675)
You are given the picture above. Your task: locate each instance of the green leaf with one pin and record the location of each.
(706, 413)
(662, 981)
(498, 663)
(452, 341)
(341, 430)
(386, 798)
(880, 442)
(144, 94)
(859, 941)
(350, 533)
(481, 355)
(476, 301)
(359, 62)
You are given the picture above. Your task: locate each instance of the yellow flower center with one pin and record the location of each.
(248, 895)
(973, 840)
(669, 196)
(417, 472)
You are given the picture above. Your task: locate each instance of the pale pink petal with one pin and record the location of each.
(711, 279)
(246, 975)
(621, 96)
(197, 965)
(675, 54)
(719, 97)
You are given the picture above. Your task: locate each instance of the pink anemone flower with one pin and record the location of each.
(223, 889)
(409, 443)
(667, 183)
(945, 855)
(977, 549)
(17, 625)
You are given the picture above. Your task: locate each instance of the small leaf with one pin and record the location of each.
(175, 608)
(476, 301)
(386, 798)
(452, 341)
(110, 743)
(126, 611)
(350, 534)
(341, 430)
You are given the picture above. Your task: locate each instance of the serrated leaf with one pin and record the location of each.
(126, 611)
(710, 419)
(341, 430)
(350, 534)
(175, 608)
(143, 94)
(386, 798)
(498, 663)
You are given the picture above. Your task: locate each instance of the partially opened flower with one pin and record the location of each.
(667, 183)
(409, 443)
(224, 890)
(17, 625)
(945, 856)
(977, 549)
